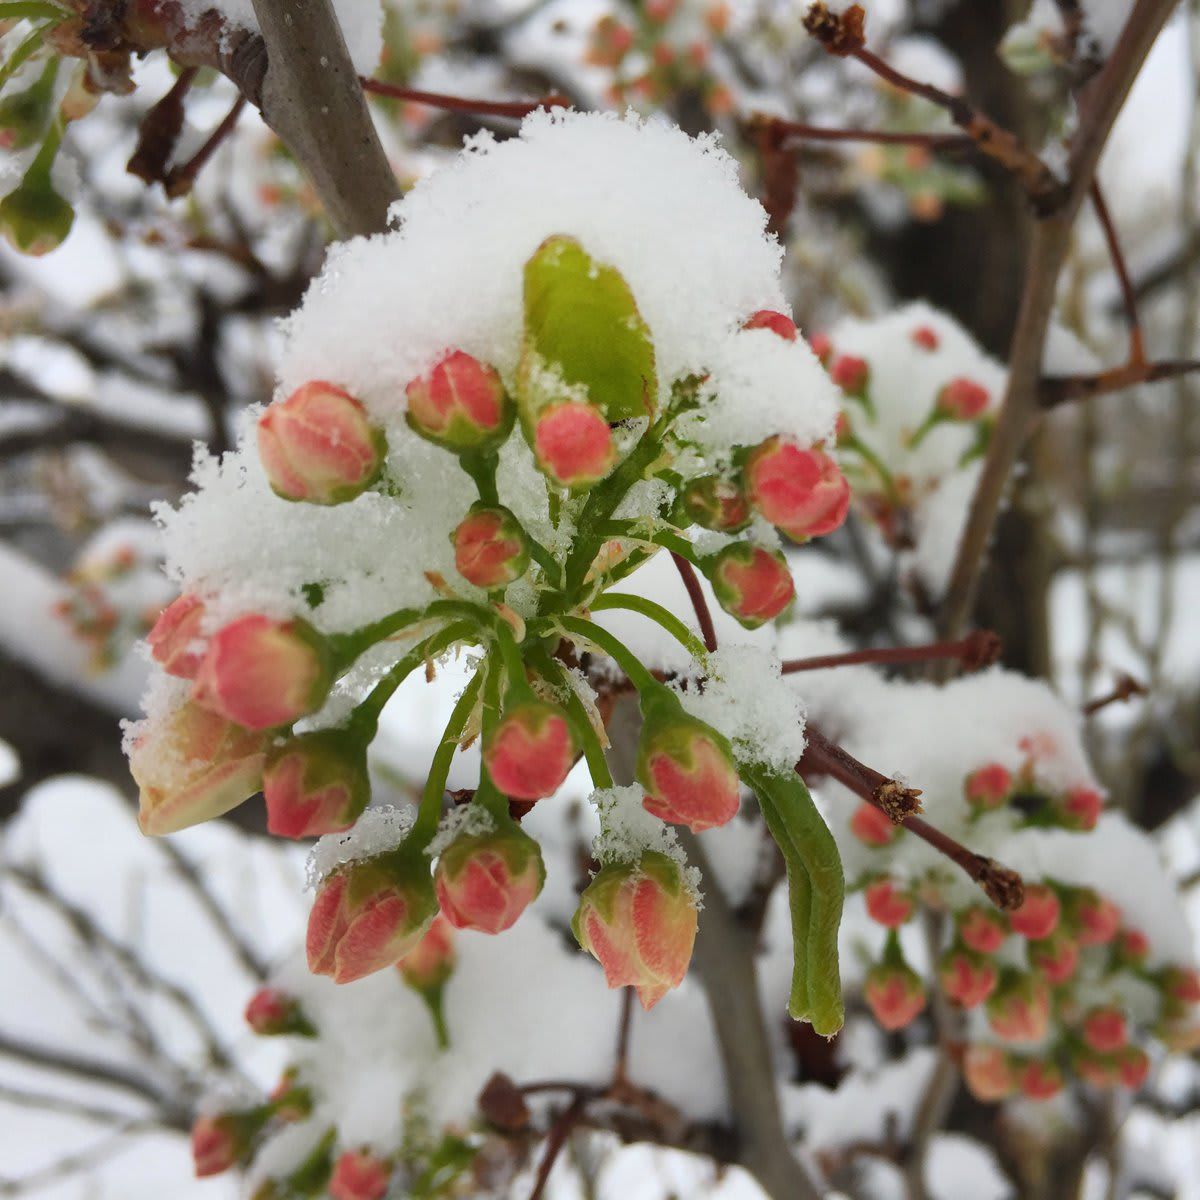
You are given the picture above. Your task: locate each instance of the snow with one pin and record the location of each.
(376, 832)
(627, 830)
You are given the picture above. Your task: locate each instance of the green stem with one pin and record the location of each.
(668, 539)
(430, 812)
(348, 646)
(511, 654)
(433, 1002)
(482, 469)
(625, 658)
(935, 418)
(876, 463)
(655, 612)
(593, 752)
(550, 565)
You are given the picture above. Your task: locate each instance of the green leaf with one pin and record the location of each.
(31, 10)
(816, 889)
(583, 325)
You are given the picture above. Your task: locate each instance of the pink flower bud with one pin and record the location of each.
(289, 1101)
(753, 585)
(430, 962)
(873, 827)
(176, 641)
(1133, 1065)
(222, 1140)
(1020, 1010)
(316, 783)
(887, 904)
(967, 978)
(821, 346)
(271, 1012)
(1181, 984)
(982, 929)
(988, 787)
(486, 881)
(776, 322)
(319, 445)
(1133, 947)
(962, 400)
(1105, 1029)
(262, 673)
(925, 337)
(895, 995)
(1080, 809)
(531, 750)
(851, 374)
(369, 915)
(687, 770)
(460, 404)
(1055, 957)
(490, 547)
(988, 1073)
(573, 444)
(716, 502)
(1039, 912)
(639, 922)
(192, 766)
(801, 491)
(1099, 1070)
(1041, 1080)
(360, 1175)
(1099, 919)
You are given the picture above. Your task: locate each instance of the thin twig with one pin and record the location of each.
(879, 137)
(624, 1029)
(482, 108)
(1137, 350)
(179, 180)
(975, 651)
(1125, 689)
(1061, 389)
(696, 594)
(555, 1142)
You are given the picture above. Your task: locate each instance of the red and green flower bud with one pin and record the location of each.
(716, 502)
(1019, 1011)
(1055, 957)
(925, 337)
(486, 881)
(430, 963)
(1041, 1080)
(638, 920)
(851, 374)
(460, 404)
(192, 766)
(1037, 918)
(1133, 948)
(319, 445)
(753, 585)
(289, 1100)
(531, 750)
(316, 783)
(272, 1012)
(872, 826)
(261, 673)
(1180, 985)
(369, 914)
(1105, 1029)
(981, 929)
(1097, 917)
(573, 444)
(989, 1073)
(222, 1141)
(1080, 809)
(889, 905)
(360, 1175)
(686, 768)
(967, 978)
(1098, 1070)
(490, 547)
(1133, 1065)
(176, 640)
(800, 491)
(777, 322)
(895, 994)
(821, 346)
(962, 399)
(988, 787)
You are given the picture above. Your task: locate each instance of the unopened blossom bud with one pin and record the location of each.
(1039, 912)
(1041, 1080)
(176, 641)
(925, 337)
(982, 929)
(988, 787)
(272, 1012)
(851, 374)
(1098, 918)
(962, 399)
(873, 827)
(369, 914)
(360, 1175)
(1080, 808)
(430, 962)
(573, 444)
(531, 750)
(989, 1073)
(319, 445)
(716, 502)
(1098, 1070)
(290, 1100)
(1105, 1029)
(1133, 947)
(1056, 958)
(316, 783)
(460, 404)
(486, 881)
(888, 904)
(490, 547)
(967, 978)
(221, 1141)
(1019, 1011)
(1180, 985)
(686, 768)
(895, 995)
(821, 346)
(638, 920)
(801, 491)
(753, 585)
(1133, 1065)
(191, 766)
(262, 673)
(776, 322)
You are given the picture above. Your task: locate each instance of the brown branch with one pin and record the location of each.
(1137, 349)
(555, 1142)
(696, 594)
(1062, 389)
(975, 651)
(180, 179)
(878, 137)
(159, 132)
(1126, 688)
(624, 1029)
(483, 108)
